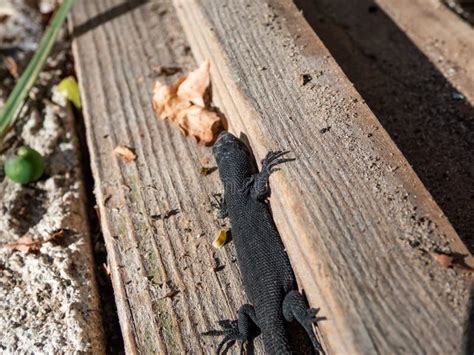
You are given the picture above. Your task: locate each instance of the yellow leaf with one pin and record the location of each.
(221, 239)
(69, 88)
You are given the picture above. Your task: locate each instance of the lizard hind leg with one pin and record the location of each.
(295, 308)
(243, 330)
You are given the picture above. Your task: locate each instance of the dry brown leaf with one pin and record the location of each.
(202, 124)
(455, 261)
(194, 87)
(442, 259)
(12, 67)
(27, 244)
(186, 104)
(125, 153)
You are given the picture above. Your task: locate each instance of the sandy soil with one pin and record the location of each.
(48, 299)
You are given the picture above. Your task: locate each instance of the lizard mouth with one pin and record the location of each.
(228, 145)
(225, 139)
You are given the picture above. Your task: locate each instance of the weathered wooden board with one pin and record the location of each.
(412, 99)
(170, 284)
(442, 35)
(358, 224)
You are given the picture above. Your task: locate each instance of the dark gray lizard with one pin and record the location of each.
(266, 271)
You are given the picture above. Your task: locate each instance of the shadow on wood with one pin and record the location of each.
(423, 113)
(108, 15)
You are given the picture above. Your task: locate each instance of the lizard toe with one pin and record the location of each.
(311, 315)
(231, 333)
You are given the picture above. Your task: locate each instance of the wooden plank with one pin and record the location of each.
(442, 35)
(356, 220)
(170, 284)
(411, 98)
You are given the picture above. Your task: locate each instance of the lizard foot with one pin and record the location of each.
(294, 308)
(243, 330)
(261, 189)
(230, 331)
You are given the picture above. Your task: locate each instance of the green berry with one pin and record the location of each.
(19, 170)
(35, 158)
(27, 166)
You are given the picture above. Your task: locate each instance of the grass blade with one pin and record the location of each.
(10, 110)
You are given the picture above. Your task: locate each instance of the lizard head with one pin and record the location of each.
(232, 156)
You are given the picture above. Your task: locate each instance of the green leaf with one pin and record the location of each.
(12, 107)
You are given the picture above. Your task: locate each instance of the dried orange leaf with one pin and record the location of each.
(166, 102)
(124, 153)
(186, 104)
(194, 87)
(443, 259)
(202, 124)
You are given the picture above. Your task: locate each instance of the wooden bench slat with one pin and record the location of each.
(357, 222)
(116, 47)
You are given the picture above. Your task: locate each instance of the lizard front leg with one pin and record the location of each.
(243, 330)
(259, 182)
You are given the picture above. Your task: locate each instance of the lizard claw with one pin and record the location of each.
(272, 159)
(243, 330)
(230, 330)
(259, 182)
(307, 321)
(311, 315)
(294, 308)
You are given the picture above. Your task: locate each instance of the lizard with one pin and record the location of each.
(267, 276)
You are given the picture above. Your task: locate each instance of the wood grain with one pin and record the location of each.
(442, 35)
(358, 224)
(170, 284)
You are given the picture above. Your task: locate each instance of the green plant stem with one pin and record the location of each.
(12, 107)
